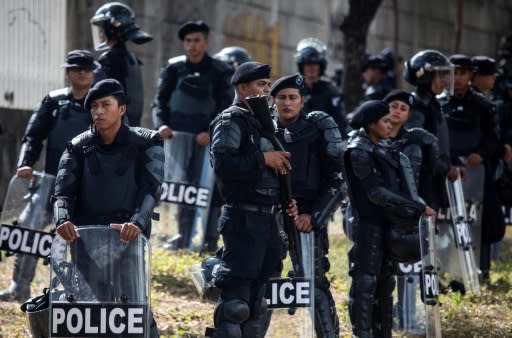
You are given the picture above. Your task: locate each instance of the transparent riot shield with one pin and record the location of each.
(457, 241)
(429, 277)
(26, 212)
(409, 312)
(292, 298)
(100, 286)
(187, 191)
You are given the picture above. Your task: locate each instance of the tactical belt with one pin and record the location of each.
(265, 209)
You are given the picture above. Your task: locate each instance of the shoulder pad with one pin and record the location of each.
(321, 119)
(177, 59)
(220, 66)
(419, 99)
(143, 135)
(59, 94)
(361, 143)
(422, 135)
(227, 115)
(83, 142)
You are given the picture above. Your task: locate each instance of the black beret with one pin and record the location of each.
(484, 65)
(398, 95)
(368, 112)
(377, 62)
(461, 61)
(79, 58)
(290, 81)
(107, 87)
(250, 71)
(192, 27)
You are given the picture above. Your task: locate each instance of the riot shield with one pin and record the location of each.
(187, 191)
(409, 312)
(456, 240)
(292, 298)
(100, 286)
(429, 277)
(26, 212)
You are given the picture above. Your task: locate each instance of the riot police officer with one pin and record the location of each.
(314, 143)
(432, 74)
(375, 71)
(319, 94)
(377, 190)
(417, 144)
(112, 25)
(484, 76)
(245, 164)
(489, 148)
(111, 174)
(192, 90)
(233, 56)
(58, 118)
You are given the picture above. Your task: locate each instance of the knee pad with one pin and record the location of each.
(233, 311)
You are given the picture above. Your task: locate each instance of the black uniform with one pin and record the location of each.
(426, 113)
(252, 246)
(190, 95)
(315, 145)
(474, 123)
(378, 90)
(115, 183)
(376, 185)
(324, 96)
(124, 66)
(422, 150)
(57, 119)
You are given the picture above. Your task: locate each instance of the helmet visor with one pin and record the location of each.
(443, 80)
(99, 38)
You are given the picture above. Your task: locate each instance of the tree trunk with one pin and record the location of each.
(355, 29)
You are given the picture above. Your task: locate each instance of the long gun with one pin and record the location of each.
(258, 105)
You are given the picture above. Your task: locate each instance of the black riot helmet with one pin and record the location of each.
(233, 56)
(421, 69)
(311, 50)
(115, 21)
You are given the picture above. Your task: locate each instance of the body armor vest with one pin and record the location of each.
(303, 141)
(108, 187)
(463, 120)
(70, 119)
(192, 104)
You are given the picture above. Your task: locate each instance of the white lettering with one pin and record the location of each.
(4, 234)
(274, 293)
(88, 327)
(116, 312)
(165, 189)
(103, 322)
(15, 239)
(45, 245)
(190, 195)
(74, 312)
(58, 318)
(24, 246)
(282, 293)
(202, 197)
(135, 320)
(34, 243)
(302, 292)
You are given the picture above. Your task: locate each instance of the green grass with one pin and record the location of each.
(181, 313)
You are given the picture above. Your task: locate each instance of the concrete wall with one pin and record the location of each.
(270, 30)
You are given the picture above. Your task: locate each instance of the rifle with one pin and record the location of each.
(258, 105)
